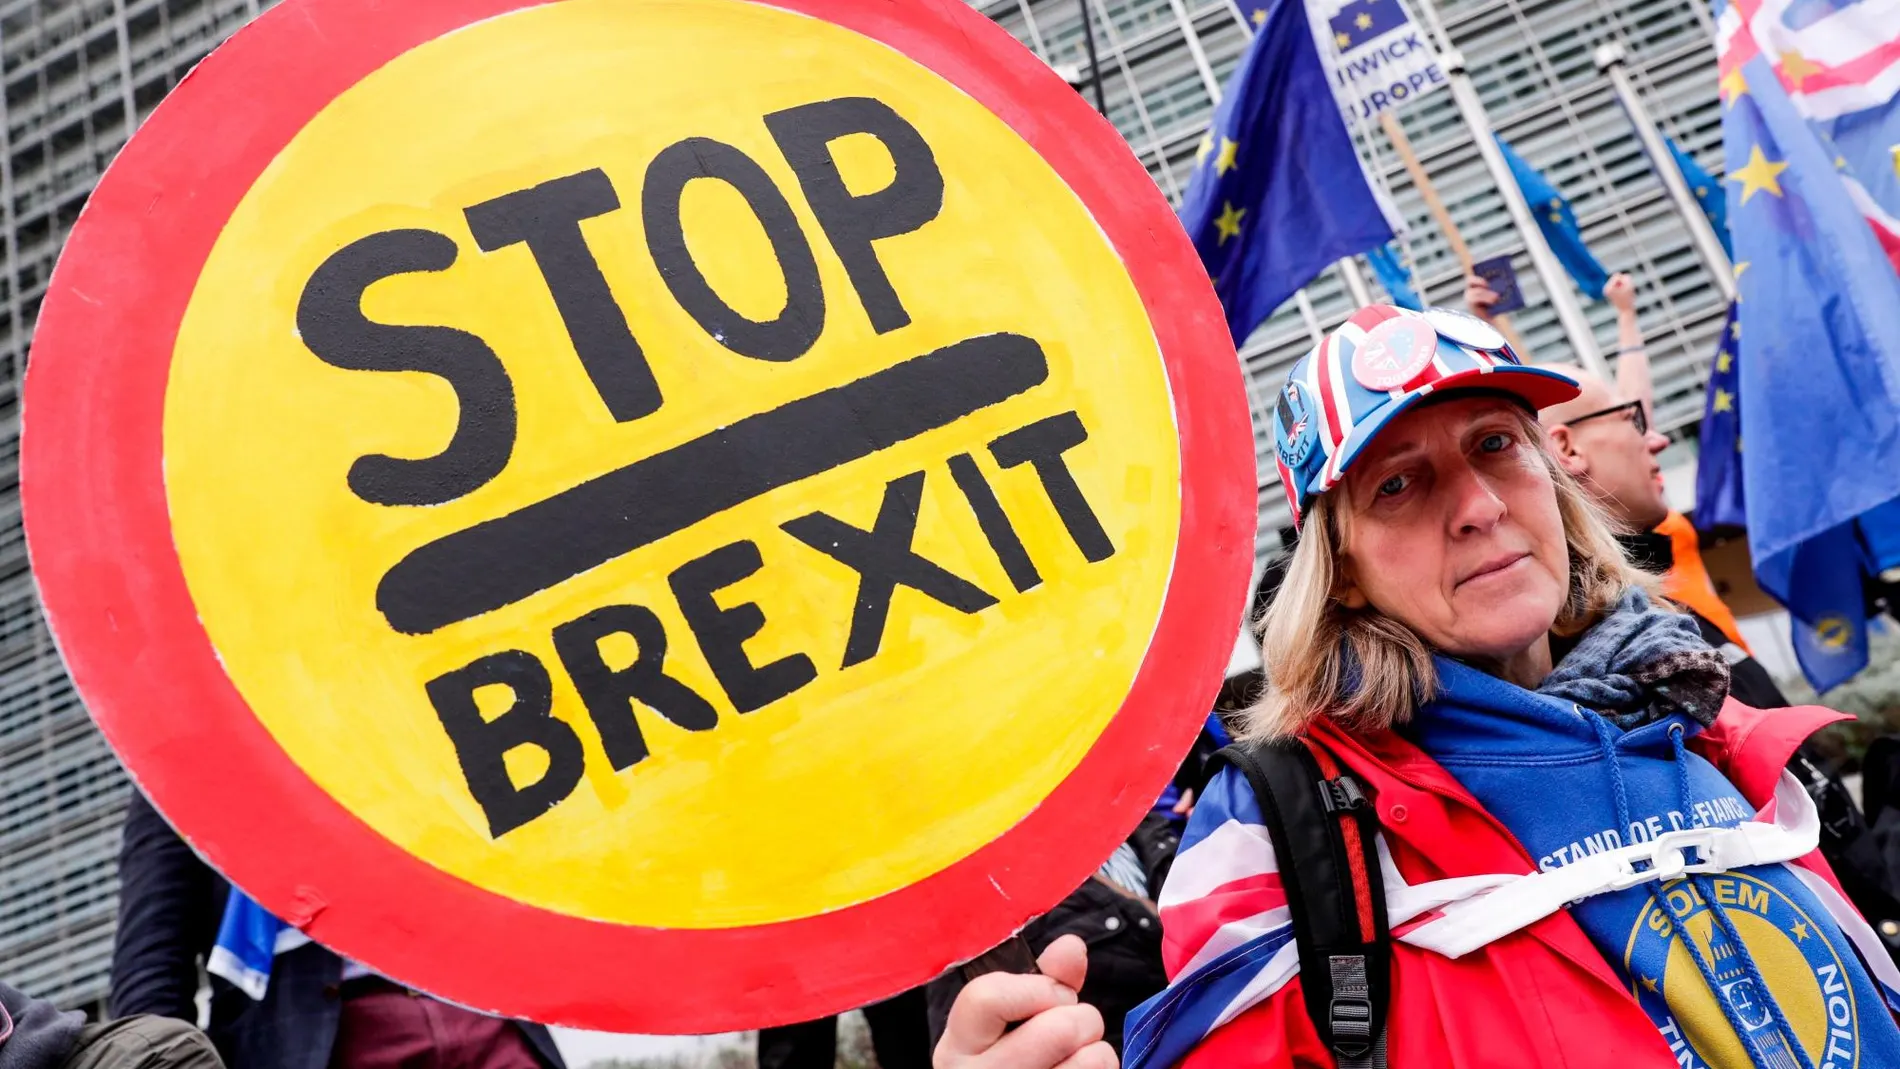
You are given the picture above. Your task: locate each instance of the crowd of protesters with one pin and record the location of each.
(1488, 597)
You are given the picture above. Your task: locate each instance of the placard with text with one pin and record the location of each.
(653, 515)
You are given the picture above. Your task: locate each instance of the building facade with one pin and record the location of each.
(79, 74)
(1532, 61)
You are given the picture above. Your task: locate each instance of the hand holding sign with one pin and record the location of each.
(660, 517)
(1058, 1030)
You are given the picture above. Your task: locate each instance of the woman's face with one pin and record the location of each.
(1450, 526)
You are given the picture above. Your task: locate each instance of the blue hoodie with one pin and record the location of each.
(1568, 784)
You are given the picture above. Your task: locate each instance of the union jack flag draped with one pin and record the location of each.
(1839, 62)
(1228, 942)
(1227, 935)
(1811, 120)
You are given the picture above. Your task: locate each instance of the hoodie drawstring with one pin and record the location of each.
(1703, 887)
(1784, 1029)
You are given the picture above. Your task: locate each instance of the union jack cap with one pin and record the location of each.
(1376, 365)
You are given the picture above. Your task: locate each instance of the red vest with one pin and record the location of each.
(1542, 998)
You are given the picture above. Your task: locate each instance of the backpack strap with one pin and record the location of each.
(1321, 823)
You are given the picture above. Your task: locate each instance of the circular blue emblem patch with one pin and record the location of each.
(1802, 970)
(1294, 430)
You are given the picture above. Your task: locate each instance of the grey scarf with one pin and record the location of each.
(1640, 664)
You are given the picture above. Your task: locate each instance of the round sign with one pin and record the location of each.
(1395, 352)
(663, 517)
(1466, 330)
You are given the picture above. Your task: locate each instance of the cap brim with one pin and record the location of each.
(1538, 387)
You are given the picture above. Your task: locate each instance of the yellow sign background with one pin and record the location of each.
(862, 782)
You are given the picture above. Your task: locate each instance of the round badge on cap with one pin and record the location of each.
(1394, 352)
(1465, 329)
(1296, 432)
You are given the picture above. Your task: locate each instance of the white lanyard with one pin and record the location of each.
(1473, 911)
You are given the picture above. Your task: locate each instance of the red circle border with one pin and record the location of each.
(99, 536)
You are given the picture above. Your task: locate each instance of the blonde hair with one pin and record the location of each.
(1368, 671)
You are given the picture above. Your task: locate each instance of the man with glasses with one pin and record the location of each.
(1603, 438)
(1606, 442)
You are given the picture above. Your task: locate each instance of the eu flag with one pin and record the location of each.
(1391, 272)
(1278, 193)
(1707, 192)
(1558, 223)
(1819, 368)
(1719, 501)
(1360, 21)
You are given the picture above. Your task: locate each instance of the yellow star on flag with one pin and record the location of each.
(1758, 174)
(1649, 984)
(1738, 443)
(1739, 268)
(1260, 16)
(1724, 400)
(1226, 160)
(1896, 161)
(1228, 223)
(1364, 22)
(1800, 931)
(1206, 146)
(1732, 85)
(1724, 362)
(1735, 329)
(1798, 68)
(1344, 41)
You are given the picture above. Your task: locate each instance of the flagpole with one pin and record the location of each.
(1095, 65)
(1422, 181)
(1309, 316)
(1557, 287)
(1563, 298)
(1355, 281)
(1195, 51)
(1611, 60)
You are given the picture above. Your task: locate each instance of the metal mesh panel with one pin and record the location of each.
(78, 75)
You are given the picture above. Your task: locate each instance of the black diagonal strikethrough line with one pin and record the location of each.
(501, 561)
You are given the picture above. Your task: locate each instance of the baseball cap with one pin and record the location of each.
(1380, 362)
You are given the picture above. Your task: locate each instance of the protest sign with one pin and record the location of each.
(1381, 59)
(659, 517)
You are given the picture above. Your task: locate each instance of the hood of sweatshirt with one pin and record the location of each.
(1738, 969)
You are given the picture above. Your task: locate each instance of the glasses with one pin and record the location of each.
(1634, 408)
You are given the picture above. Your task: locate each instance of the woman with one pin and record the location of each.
(1583, 864)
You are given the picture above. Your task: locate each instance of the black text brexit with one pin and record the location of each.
(500, 561)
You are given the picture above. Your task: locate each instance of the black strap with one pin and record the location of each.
(1347, 980)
